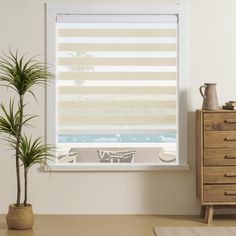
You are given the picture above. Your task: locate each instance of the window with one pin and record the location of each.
(119, 97)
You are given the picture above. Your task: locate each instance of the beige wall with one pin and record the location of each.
(212, 54)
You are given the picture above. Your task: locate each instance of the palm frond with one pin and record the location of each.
(35, 151)
(9, 122)
(21, 74)
(25, 121)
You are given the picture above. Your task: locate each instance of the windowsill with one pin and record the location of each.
(116, 167)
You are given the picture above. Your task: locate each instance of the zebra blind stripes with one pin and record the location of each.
(117, 73)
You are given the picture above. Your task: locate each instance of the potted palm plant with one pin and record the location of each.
(22, 75)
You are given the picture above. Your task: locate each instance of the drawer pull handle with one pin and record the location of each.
(229, 157)
(230, 121)
(230, 193)
(229, 139)
(230, 175)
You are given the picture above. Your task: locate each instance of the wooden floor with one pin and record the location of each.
(105, 225)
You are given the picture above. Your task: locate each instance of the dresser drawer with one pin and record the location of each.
(219, 139)
(219, 156)
(220, 121)
(213, 175)
(219, 193)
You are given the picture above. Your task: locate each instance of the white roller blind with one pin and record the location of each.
(117, 72)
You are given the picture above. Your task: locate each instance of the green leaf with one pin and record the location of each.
(21, 74)
(10, 121)
(35, 151)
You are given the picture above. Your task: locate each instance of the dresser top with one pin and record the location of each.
(219, 110)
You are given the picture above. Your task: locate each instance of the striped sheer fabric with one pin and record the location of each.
(117, 73)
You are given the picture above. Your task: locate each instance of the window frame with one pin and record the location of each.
(52, 10)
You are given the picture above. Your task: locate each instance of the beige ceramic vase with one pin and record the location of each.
(20, 217)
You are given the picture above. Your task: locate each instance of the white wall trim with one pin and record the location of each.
(121, 167)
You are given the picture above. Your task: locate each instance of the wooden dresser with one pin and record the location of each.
(216, 159)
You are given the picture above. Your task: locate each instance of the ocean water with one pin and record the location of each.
(117, 138)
